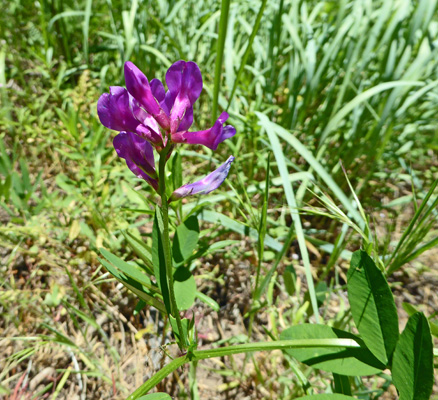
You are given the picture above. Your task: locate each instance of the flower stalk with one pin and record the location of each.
(150, 121)
(166, 245)
(197, 355)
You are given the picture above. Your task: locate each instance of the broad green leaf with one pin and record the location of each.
(345, 361)
(334, 396)
(185, 288)
(158, 258)
(156, 396)
(186, 239)
(342, 384)
(411, 310)
(412, 365)
(372, 306)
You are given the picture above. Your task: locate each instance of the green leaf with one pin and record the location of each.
(247, 50)
(313, 162)
(345, 361)
(177, 171)
(411, 310)
(156, 396)
(158, 258)
(342, 384)
(321, 294)
(140, 249)
(185, 288)
(129, 270)
(208, 301)
(186, 324)
(292, 203)
(412, 365)
(140, 305)
(133, 286)
(290, 279)
(186, 239)
(372, 306)
(327, 397)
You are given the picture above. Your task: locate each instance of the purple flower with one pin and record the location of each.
(139, 156)
(145, 115)
(206, 185)
(145, 108)
(119, 111)
(139, 88)
(184, 81)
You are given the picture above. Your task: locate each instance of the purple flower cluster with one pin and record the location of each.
(147, 116)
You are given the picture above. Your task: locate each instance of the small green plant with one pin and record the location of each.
(161, 120)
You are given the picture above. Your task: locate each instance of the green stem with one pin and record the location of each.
(166, 246)
(193, 381)
(223, 22)
(158, 377)
(197, 355)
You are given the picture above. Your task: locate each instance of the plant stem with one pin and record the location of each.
(166, 246)
(193, 381)
(197, 355)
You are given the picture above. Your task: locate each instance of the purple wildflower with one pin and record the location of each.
(205, 185)
(146, 107)
(144, 114)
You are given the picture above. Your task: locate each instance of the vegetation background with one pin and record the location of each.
(311, 82)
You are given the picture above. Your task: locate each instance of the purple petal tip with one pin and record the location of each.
(205, 185)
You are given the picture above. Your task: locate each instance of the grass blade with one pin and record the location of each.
(223, 23)
(291, 201)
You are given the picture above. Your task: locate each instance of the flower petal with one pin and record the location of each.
(139, 156)
(184, 80)
(210, 138)
(206, 185)
(158, 89)
(186, 121)
(114, 111)
(138, 86)
(149, 129)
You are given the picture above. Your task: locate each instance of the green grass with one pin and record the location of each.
(311, 82)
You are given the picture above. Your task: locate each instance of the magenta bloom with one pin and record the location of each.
(145, 107)
(148, 116)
